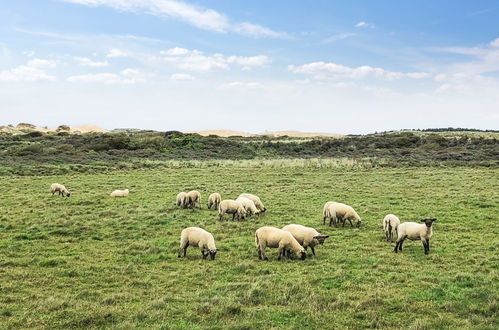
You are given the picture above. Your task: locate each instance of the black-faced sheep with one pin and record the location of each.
(306, 236)
(181, 200)
(390, 224)
(214, 200)
(194, 199)
(59, 188)
(258, 203)
(342, 212)
(415, 231)
(120, 193)
(277, 238)
(249, 206)
(195, 236)
(231, 207)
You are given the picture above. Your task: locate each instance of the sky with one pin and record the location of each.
(348, 67)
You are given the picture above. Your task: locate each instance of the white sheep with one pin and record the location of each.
(306, 236)
(390, 224)
(194, 198)
(258, 203)
(195, 236)
(249, 206)
(415, 231)
(59, 188)
(342, 212)
(231, 207)
(326, 214)
(277, 238)
(120, 193)
(181, 199)
(214, 200)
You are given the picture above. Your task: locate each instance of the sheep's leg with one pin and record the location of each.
(426, 245)
(401, 243)
(324, 221)
(313, 250)
(204, 254)
(233, 216)
(397, 244)
(388, 236)
(351, 224)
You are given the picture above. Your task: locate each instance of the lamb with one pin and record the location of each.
(249, 206)
(195, 236)
(390, 224)
(277, 238)
(120, 193)
(194, 199)
(181, 199)
(306, 236)
(258, 203)
(231, 207)
(59, 188)
(415, 231)
(342, 212)
(214, 200)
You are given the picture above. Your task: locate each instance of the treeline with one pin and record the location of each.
(108, 149)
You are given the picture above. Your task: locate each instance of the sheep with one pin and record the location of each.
(390, 224)
(59, 188)
(249, 206)
(181, 199)
(231, 207)
(277, 238)
(194, 198)
(120, 193)
(214, 200)
(326, 214)
(342, 212)
(195, 236)
(258, 203)
(415, 231)
(306, 236)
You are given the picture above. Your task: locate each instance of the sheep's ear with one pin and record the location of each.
(423, 220)
(433, 219)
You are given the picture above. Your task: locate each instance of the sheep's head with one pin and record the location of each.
(429, 221)
(68, 194)
(303, 254)
(358, 222)
(213, 253)
(321, 238)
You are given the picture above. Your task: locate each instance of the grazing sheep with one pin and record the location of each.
(181, 200)
(258, 203)
(214, 200)
(342, 212)
(326, 213)
(59, 188)
(120, 193)
(390, 224)
(195, 236)
(194, 199)
(306, 236)
(415, 231)
(277, 238)
(249, 206)
(231, 207)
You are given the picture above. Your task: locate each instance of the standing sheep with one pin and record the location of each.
(194, 199)
(277, 238)
(342, 212)
(415, 231)
(120, 193)
(249, 206)
(214, 200)
(231, 207)
(258, 203)
(195, 236)
(390, 224)
(306, 236)
(181, 200)
(326, 214)
(59, 188)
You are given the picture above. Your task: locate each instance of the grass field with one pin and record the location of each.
(94, 261)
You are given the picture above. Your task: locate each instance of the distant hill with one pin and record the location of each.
(23, 128)
(298, 134)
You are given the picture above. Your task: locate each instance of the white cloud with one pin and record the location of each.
(84, 61)
(363, 24)
(115, 53)
(324, 70)
(337, 37)
(195, 60)
(241, 85)
(203, 18)
(181, 76)
(34, 70)
(29, 53)
(127, 76)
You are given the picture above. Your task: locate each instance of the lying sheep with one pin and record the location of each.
(181, 199)
(342, 212)
(277, 238)
(231, 207)
(258, 203)
(415, 231)
(195, 236)
(214, 200)
(390, 224)
(306, 236)
(194, 199)
(249, 206)
(120, 193)
(59, 188)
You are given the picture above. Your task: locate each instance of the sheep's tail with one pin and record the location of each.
(384, 225)
(257, 241)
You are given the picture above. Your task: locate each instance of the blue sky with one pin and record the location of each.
(329, 66)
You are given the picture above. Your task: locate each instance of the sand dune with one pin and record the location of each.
(227, 133)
